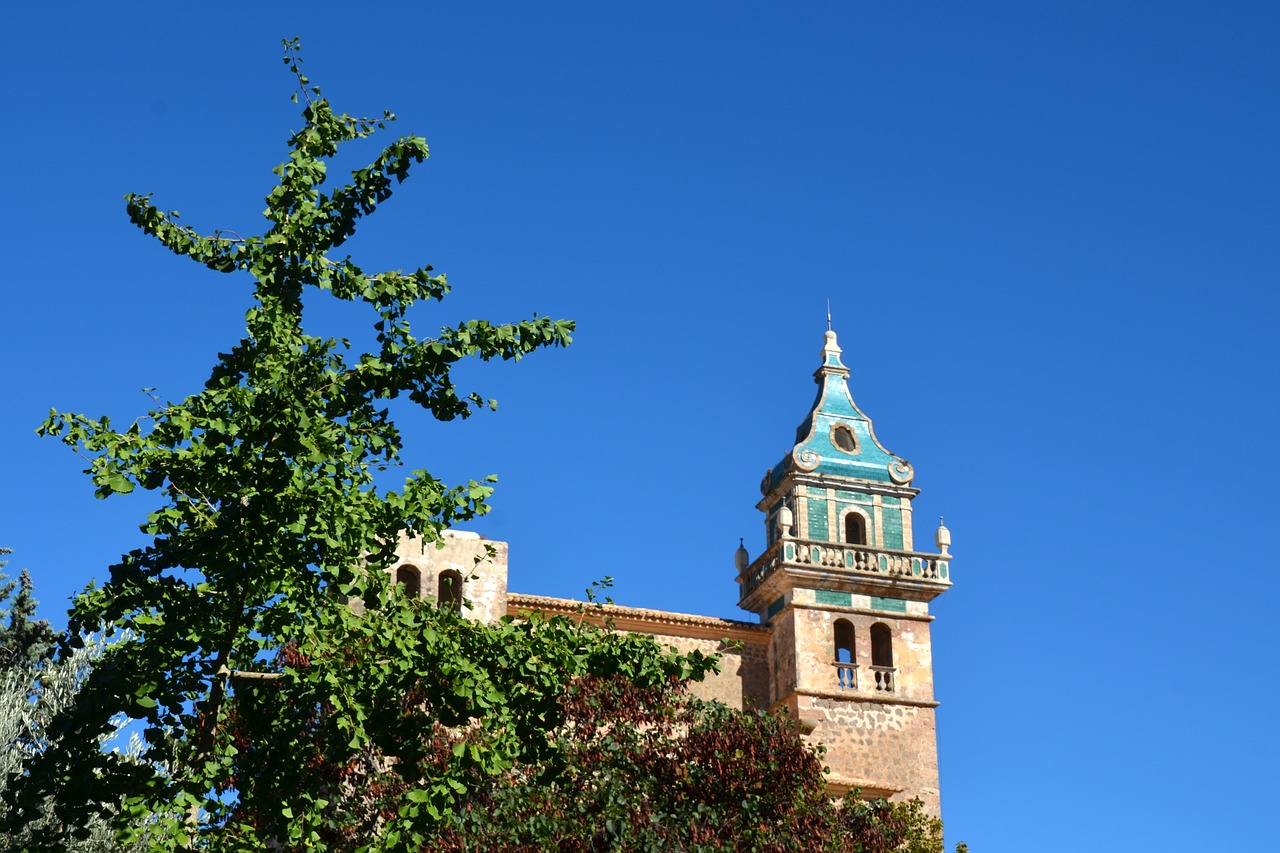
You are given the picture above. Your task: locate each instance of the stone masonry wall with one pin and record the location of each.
(484, 577)
(814, 633)
(877, 746)
(743, 680)
(879, 736)
(782, 663)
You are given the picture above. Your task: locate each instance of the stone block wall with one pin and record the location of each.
(813, 629)
(783, 671)
(885, 749)
(743, 680)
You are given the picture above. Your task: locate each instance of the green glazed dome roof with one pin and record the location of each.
(836, 439)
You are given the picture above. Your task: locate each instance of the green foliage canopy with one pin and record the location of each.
(654, 769)
(270, 524)
(635, 767)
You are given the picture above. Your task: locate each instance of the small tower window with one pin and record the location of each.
(882, 656)
(450, 590)
(855, 529)
(407, 576)
(846, 669)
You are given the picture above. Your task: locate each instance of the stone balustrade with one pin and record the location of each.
(858, 559)
(884, 678)
(847, 676)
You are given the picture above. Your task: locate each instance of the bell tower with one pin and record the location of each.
(846, 598)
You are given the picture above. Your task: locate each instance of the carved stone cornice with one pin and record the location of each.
(639, 620)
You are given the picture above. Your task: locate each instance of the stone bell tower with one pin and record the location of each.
(845, 596)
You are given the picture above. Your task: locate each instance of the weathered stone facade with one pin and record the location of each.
(479, 563)
(842, 640)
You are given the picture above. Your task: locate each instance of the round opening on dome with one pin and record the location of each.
(844, 439)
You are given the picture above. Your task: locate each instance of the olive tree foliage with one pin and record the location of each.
(32, 695)
(269, 522)
(33, 692)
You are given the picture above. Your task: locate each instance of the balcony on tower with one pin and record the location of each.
(856, 569)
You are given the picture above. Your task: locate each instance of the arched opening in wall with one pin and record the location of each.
(882, 656)
(846, 668)
(450, 590)
(408, 577)
(855, 529)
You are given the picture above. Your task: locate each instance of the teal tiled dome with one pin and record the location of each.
(836, 438)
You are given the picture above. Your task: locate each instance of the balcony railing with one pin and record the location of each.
(858, 559)
(847, 676)
(884, 678)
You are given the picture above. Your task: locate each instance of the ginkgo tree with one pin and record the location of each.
(270, 524)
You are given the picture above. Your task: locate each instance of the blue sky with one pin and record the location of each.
(1047, 231)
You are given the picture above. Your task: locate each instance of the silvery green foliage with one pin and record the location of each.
(31, 696)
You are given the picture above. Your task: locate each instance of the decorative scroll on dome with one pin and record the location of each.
(900, 471)
(808, 459)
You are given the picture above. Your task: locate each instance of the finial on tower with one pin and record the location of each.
(943, 539)
(831, 351)
(741, 559)
(785, 519)
(828, 315)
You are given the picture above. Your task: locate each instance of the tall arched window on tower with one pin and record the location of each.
(408, 577)
(855, 529)
(846, 668)
(450, 590)
(882, 656)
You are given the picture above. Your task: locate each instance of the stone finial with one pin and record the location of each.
(740, 558)
(943, 539)
(785, 520)
(831, 364)
(829, 344)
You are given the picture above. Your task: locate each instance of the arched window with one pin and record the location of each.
(844, 641)
(450, 591)
(855, 529)
(881, 645)
(882, 656)
(846, 668)
(407, 576)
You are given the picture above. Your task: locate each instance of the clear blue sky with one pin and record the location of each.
(1049, 237)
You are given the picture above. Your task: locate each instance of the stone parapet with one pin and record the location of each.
(855, 568)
